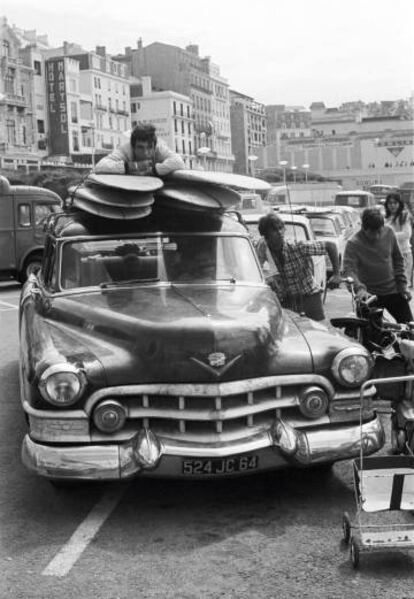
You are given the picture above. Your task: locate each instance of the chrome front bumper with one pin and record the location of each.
(147, 455)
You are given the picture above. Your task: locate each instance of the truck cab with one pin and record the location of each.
(23, 212)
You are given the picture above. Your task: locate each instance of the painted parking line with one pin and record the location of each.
(2, 303)
(65, 559)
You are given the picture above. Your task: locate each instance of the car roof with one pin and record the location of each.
(254, 218)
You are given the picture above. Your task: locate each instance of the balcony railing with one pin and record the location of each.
(15, 100)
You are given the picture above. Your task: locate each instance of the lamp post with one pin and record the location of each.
(294, 169)
(203, 151)
(252, 159)
(283, 164)
(306, 168)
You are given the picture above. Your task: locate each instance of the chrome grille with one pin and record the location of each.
(204, 413)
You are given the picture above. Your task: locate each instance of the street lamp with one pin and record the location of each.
(283, 164)
(252, 159)
(203, 151)
(294, 169)
(306, 168)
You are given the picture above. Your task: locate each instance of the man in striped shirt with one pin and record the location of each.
(295, 284)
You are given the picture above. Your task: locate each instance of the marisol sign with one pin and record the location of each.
(57, 106)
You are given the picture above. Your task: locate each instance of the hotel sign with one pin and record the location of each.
(57, 106)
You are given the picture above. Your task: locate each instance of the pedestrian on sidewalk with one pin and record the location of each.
(295, 285)
(374, 260)
(398, 218)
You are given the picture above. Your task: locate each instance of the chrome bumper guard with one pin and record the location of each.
(145, 453)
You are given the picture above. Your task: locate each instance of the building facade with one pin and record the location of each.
(345, 145)
(171, 113)
(248, 132)
(88, 100)
(186, 73)
(18, 127)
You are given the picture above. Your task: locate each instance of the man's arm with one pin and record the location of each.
(351, 268)
(166, 161)
(114, 163)
(332, 251)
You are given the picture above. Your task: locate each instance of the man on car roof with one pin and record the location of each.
(144, 154)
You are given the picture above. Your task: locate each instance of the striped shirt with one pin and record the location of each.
(295, 266)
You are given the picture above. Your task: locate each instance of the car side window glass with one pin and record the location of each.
(24, 217)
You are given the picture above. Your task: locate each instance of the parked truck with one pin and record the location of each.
(23, 212)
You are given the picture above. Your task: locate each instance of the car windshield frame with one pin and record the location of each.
(157, 258)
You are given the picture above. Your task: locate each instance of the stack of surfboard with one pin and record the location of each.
(126, 197)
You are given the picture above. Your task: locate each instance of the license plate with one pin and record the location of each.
(220, 465)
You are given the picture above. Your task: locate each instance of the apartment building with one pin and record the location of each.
(248, 132)
(171, 113)
(186, 73)
(88, 102)
(18, 99)
(344, 143)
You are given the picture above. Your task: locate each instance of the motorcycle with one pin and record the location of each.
(391, 346)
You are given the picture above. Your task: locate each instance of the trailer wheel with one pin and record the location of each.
(31, 266)
(355, 553)
(346, 527)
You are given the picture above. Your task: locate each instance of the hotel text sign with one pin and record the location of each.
(57, 106)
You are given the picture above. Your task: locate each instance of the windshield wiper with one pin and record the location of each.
(127, 282)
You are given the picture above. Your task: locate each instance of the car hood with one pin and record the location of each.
(186, 333)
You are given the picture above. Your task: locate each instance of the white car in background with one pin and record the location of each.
(297, 228)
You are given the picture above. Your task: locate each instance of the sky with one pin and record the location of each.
(291, 52)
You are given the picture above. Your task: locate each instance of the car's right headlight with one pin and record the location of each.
(352, 366)
(62, 384)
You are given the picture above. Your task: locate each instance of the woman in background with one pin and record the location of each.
(398, 218)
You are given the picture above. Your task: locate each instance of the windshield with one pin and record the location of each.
(165, 258)
(323, 227)
(357, 201)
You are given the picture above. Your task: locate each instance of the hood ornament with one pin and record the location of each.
(216, 363)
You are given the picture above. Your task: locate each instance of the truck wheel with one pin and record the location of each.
(31, 265)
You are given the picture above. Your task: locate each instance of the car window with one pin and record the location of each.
(296, 232)
(41, 212)
(176, 258)
(323, 227)
(24, 218)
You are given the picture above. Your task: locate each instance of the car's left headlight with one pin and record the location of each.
(62, 384)
(352, 366)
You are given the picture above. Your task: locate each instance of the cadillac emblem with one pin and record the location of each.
(216, 359)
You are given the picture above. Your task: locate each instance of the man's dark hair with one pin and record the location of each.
(372, 219)
(143, 132)
(268, 223)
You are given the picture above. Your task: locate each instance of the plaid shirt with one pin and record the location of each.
(295, 267)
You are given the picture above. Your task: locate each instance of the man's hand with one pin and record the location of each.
(141, 168)
(362, 295)
(334, 281)
(407, 295)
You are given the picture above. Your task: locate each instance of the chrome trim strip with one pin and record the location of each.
(211, 389)
(109, 462)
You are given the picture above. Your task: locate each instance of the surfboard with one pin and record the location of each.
(218, 178)
(116, 213)
(111, 196)
(200, 197)
(127, 182)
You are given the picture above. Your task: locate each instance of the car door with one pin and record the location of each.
(7, 236)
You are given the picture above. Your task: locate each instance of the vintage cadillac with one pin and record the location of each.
(153, 347)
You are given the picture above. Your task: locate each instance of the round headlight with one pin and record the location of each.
(352, 366)
(109, 416)
(62, 384)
